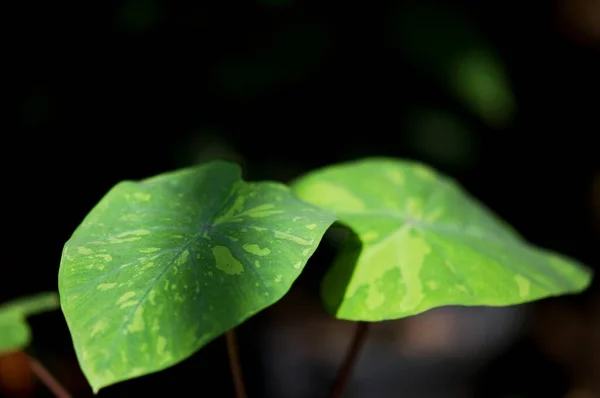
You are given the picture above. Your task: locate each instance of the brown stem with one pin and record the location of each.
(47, 379)
(234, 364)
(345, 370)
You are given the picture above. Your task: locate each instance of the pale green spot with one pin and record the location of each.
(396, 176)
(328, 195)
(130, 303)
(256, 263)
(409, 260)
(523, 284)
(262, 214)
(410, 265)
(225, 261)
(126, 296)
(152, 297)
(305, 252)
(137, 323)
(137, 371)
(84, 250)
(142, 196)
(293, 238)
(123, 240)
(311, 226)
(183, 258)
(129, 236)
(262, 211)
(369, 236)
(99, 327)
(150, 249)
(298, 265)
(256, 250)
(105, 257)
(237, 207)
(106, 286)
(374, 298)
(296, 219)
(161, 344)
(278, 278)
(145, 266)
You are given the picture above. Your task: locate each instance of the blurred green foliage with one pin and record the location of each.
(446, 45)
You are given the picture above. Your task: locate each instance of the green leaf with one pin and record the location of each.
(422, 242)
(14, 331)
(161, 267)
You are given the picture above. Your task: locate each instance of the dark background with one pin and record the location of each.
(127, 89)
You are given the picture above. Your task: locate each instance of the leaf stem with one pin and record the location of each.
(234, 364)
(345, 370)
(47, 379)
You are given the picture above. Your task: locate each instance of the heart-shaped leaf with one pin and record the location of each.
(161, 267)
(423, 242)
(14, 330)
